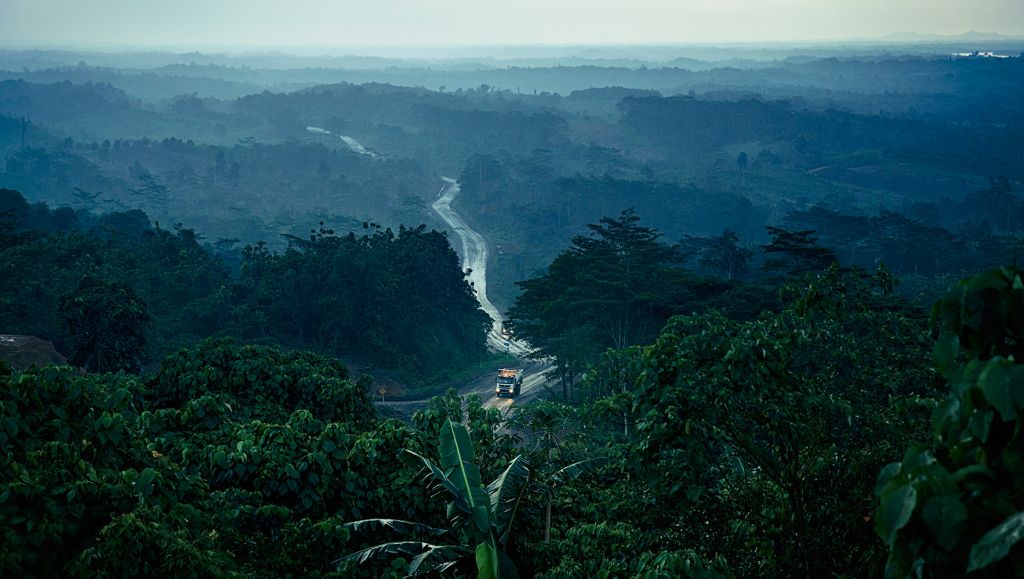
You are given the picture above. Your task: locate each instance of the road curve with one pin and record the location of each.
(474, 258)
(474, 253)
(535, 378)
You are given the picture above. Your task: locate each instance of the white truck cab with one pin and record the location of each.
(509, 382)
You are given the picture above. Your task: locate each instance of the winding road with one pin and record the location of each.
(474, 258)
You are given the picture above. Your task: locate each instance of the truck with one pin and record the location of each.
(508, 383)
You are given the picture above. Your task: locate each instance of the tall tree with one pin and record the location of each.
(798, 251)
(724, 256)
(611, 289)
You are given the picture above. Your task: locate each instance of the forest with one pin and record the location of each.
(775, 297)
(116, 291)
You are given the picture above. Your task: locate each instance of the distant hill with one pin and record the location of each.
(973, 36)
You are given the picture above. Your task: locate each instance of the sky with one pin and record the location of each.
(198, 24)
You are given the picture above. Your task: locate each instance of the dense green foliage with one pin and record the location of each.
(390, 299)
(720, 449)
(613, 289)
(107, 474)
(230, 460)
(782, 423)
(481, 517)
(953, 506)
(41, 265)
(106, 326)
(730, 394)
(99, 288)
(750, 428)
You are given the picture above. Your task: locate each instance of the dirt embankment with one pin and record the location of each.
(23, 352)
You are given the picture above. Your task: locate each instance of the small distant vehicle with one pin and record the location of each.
(508, 383)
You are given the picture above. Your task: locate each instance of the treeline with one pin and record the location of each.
(743, 418)
(719, 449)
(248, 191)
(976, 233)
(398, 300)
(684, 122)
(866, 81)
(528, 203)
(534, 202)
(619, 284)
(695, 165)
(63, 101)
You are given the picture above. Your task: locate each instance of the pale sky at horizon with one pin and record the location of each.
(182, 24)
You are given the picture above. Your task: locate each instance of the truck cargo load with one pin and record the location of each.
(509, 382)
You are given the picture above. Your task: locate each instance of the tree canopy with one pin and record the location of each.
(611, 289)
(115, 290)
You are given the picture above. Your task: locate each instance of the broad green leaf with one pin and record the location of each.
(981, 424)
(897, 505)
(945, 516)
(507, 492)
(891, 471)
(947, 413)
(481, 518)
(487, 565)
(996, 384)
(974, 469)
(457, 457)
(996, 544)
(438, 558)
(144, 484)
(917, 457)
(434, 471)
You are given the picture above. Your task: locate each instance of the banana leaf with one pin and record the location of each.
(397, 525)
(435, 557)
(507, 492)
(457, 456)
(438, 477)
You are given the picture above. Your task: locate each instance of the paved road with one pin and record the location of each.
(535, 378)
(474, 254)
(352, 144)
(474, 258)
(473, 249)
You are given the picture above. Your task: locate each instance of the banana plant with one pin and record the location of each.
(437, 558)
(481, 517)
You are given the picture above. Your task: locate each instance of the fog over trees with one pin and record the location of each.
(759, 298)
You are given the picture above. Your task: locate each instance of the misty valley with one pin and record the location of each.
(625, 310)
